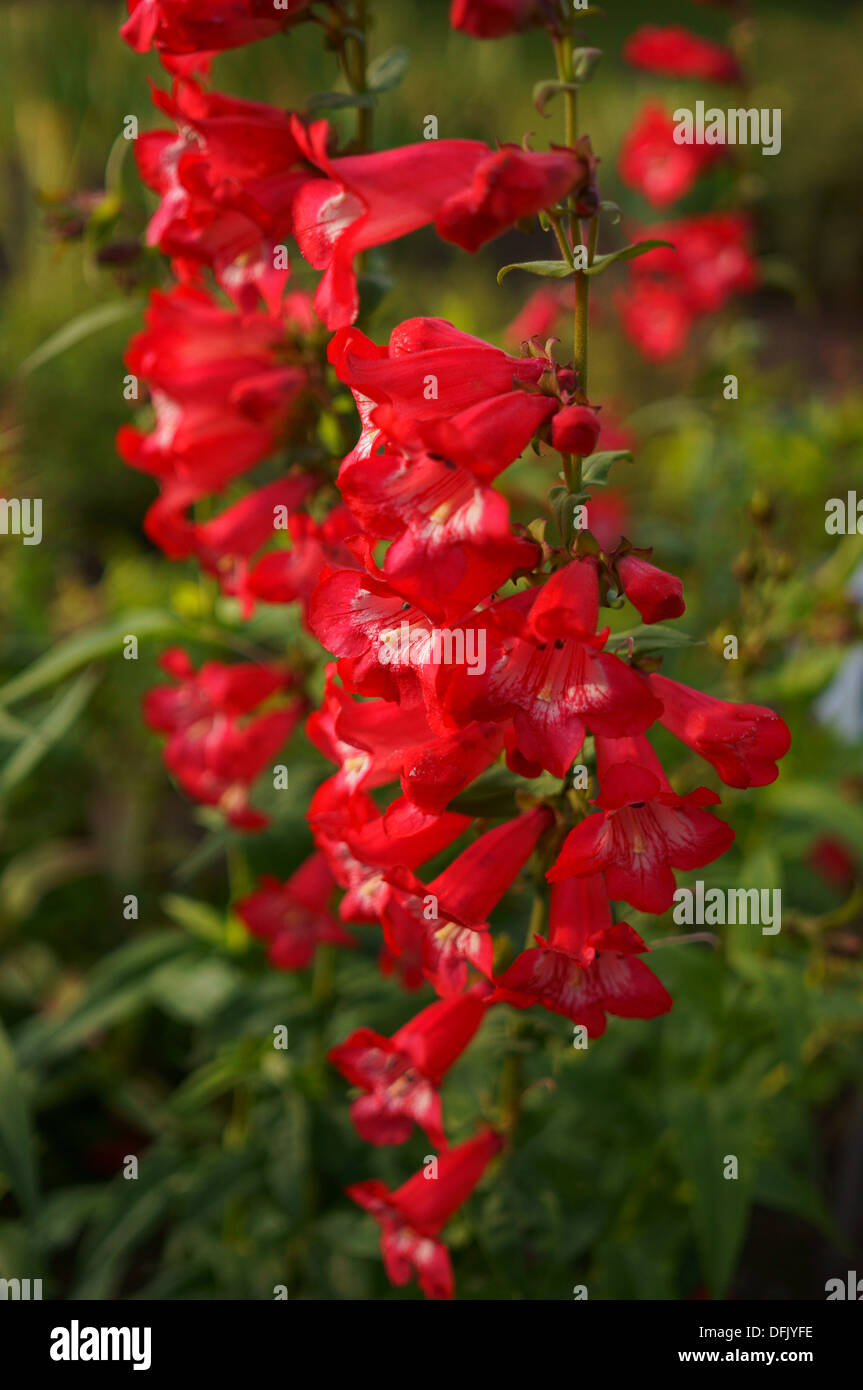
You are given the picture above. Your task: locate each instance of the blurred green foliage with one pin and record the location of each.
(154, 1037)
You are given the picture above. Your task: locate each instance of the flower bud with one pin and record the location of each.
(575, 430)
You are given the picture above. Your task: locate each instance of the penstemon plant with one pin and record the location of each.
(478, 712)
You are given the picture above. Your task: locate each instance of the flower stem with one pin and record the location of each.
(357, 76)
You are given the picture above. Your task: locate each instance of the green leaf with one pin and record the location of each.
(553, 270)
(708, 1130)
(17, 1147)
(134, 1210)
(563, 509)
(76, 330)
(336, 101)
(597, 467)
(492, 794)
(56, 723)
(388, 69)
(74, 652)
(584, 61)
(201, 919)
(544, 91)
(651, 639)
(818, 806)
(118, 986)
(626, 253)
(193, 990)
(779, 1187)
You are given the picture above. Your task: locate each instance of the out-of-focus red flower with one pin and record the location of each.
(214, 749)
(588, 966)
(653, 164)
(540, 314)
(656, 318)
(711, 261)
(743, 742)
(673, 51)
(401, 1075)
(293, 917)
(412, 1217)
(223, 390)
(643, 829)
(833, 860)
(494, 19)
(188, 33)
(225, 545)
(468, 191)
(656, 594)
(282, 576)
(712, 258)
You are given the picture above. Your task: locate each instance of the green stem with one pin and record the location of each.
(323, 975)
(357, 77)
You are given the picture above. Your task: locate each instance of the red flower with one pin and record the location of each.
(376, 741)
(673, 51)
(547, 671)
(512, 184)
(655, 593)
(401, 1075)
(224, 546)
(452, 540)
(469, 192)
(710, 262)
(412, 1217)
(404, 835)
(282, 576)
(643, 830)
(441, 928)
(588, 966)
(653, 164)
(222, 395)
(433, 372)
(492, 19)
(293, 917)
(540, 315)
(833, 861)
(213, 750)
(656, 317)
(227, 179)
(743, 742)
(188, 33)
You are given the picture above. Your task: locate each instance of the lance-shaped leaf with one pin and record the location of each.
(549, 270)
(387, 70)
(17, 1148)
(596, 468)
(626, 253)
(544, 91)
(652, 640)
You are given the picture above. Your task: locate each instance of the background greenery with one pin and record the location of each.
(153, 1037)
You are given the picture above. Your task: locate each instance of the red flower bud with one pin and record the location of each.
(575, 430)
(652, 591)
